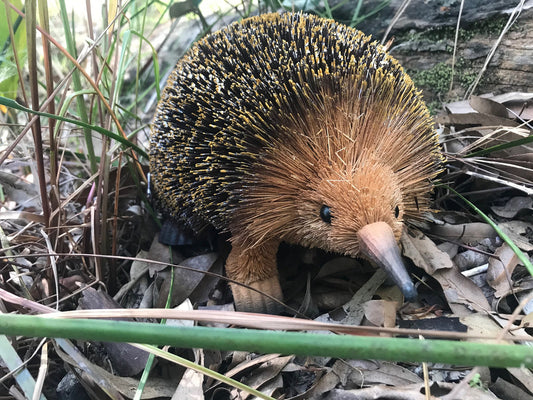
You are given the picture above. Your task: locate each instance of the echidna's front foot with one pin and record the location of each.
(251, 301)
(256, 267)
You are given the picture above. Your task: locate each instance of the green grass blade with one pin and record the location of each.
(13, 104)
(11, 47)
(304, 344)
(521, 256)
(503, 146)
(13, 362)
(76, 82)
(206, 371)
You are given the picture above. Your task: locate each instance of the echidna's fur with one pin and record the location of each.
(265, 121)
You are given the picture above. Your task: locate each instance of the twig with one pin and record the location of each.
(395, 19)
(455, 42)
(512, 19)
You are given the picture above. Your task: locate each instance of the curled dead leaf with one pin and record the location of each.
(501, 266)
(424, 253)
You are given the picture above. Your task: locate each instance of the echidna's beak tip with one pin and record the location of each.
(378, 244)
(409, 291)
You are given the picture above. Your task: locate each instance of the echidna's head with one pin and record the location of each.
(356, 210)
(343, 180)
(345, 198)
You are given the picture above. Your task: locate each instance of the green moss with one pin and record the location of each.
(491, 26)
(436, 79)
(465, 74)
(436, 82)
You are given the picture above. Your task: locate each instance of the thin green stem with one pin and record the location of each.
(76, 82)
(304, 344)
(203, 370)
(13, 104)
(521, 256)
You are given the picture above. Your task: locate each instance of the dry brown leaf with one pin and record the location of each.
(471, 258)
(22, 215)
(518, 103)
(517, 168)
(527, 321)
(328, 284)
(186, 305)
(460, 107)
(513, 206)
(449, 248)
(501, 266)
(470, 233)
(505, 389)
(244, 367)
(323, 385)
(155, 388)
(424, 253)
(138, 269)
(354, 310)
(190, 386)
(390, 293)
(474, 119)
(103, 383)
(185, 280)
(515, 101)
(126, 359)
(524, 376)
(248, 365)
(517, 231)
(381, 312)
(338, 265)
(461, 293)
(23, 193)
(512, 97)
(484, 105)
(502, 159)
(409, 392)
(356, 373)
(482, 325)
(267, 372)
(161, 252)
(302, 380)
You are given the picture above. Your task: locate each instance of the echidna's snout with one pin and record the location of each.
(378, 244)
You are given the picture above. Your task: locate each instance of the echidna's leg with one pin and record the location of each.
(255, 267)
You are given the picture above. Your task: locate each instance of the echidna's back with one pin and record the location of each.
(225, 101)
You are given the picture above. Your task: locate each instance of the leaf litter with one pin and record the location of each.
(331, 288)
(464, 274)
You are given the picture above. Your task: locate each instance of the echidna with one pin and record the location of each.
(298, 129)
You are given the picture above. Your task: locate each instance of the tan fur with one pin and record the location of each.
(255, 267)
(344, 156)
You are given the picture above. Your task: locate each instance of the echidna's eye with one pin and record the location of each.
(325, 214)
(396, 212)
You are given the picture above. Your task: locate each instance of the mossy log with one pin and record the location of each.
(424, 40)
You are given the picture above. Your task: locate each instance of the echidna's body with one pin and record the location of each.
(293, 128)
